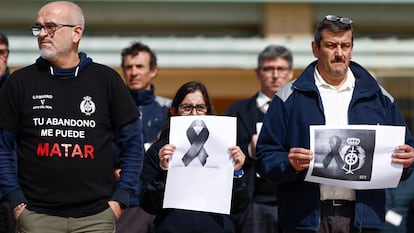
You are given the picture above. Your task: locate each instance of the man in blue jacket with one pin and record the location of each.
(332, 90)
(139, 68)
(7, 222)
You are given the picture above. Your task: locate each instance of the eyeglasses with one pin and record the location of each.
(50, 28)
(271, 69)
(335, 18)
(4, 52)
(188, 108)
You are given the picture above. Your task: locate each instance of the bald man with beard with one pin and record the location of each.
(63, 113)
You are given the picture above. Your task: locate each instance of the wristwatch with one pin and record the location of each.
(238, 174)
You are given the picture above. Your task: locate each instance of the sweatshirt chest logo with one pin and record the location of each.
(41, 101)
(87, 106)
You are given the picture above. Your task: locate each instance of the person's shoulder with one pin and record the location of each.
(24, 69)
(385, 93)
(368, 82)
(101, 66)
(286, 91)
(22, 73)
(163, 101)
(101, 71)
(156, 146)
(241, 104)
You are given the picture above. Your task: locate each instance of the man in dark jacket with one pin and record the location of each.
(274, 70)
(331, 91)
(410, 217)
(4, 56)
(7, 221)
(139, 68)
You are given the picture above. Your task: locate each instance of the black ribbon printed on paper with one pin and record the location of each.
(197, 143)
(335, 143)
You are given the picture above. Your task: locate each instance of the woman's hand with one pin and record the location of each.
(164, 155)
(238, 157)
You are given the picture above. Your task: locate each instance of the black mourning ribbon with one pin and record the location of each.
(335, 143)
(197, 143)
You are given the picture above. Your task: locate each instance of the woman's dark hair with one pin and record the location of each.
(183, 91)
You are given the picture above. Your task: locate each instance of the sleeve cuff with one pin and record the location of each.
(121, 196)
(16, 197)
(163, 168)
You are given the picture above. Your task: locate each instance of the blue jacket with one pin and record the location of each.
(286, 125)
(4, 77)
(153, 112)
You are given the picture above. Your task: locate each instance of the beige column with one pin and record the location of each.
(287, 20)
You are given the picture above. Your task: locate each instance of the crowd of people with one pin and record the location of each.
(83, 150)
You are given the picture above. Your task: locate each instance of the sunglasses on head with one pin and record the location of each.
(335, 18)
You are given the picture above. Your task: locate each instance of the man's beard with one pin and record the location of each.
(52, 54)
(338, 72)
(48, 54)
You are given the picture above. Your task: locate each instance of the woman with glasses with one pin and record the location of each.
(191, 99)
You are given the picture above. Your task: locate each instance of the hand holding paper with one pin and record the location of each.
(300, 158)
(165, 154)
(404, 155)
(200, 172)
(358, 156)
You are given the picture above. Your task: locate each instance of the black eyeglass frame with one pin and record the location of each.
(50, 28)
(200, 108)
(279, 69)
(335, 18)
(4, 52)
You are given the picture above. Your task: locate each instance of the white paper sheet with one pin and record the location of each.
(365, 151)
(196, 186)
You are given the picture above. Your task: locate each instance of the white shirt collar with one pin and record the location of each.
(262, 99)
(349, 82)
(336, 103)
